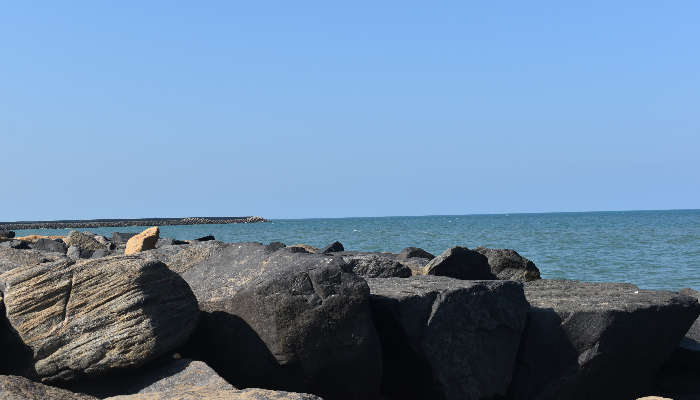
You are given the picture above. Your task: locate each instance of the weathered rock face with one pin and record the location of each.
(19, 388)
(50, 245)
(74, 252)
(332, 248)
(460, 263)
(509, 265)
(445, 338)
(205, 238)
(596, 340)
(415, 252)
(83, 240)
(6, 234)
(205, 393)
(308, 248)
(300, 322)
(121, 238)
(375, 265)
(145, 240)
(12, 258)
(94, 316)
(15, 244)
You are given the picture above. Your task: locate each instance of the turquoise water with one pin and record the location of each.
(652, 249)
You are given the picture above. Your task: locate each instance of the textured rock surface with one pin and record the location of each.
(596, 340)
(121, 238)
(15, 244)
(145, 240)
(332, 248)
(308, 248)
(375, 265)
(460, 263)
(97, 315)
(12, 258)
(445, 338)
(50, 245)
(6, 233)
(415, 252)
(509, 265)
(19, 388)
(84, 240)
(300, 321)
(205, 393)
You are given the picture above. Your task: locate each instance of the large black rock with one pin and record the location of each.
(333, 248)
(50, 245)
(460, 263)
(5, 233)
(280, 320)
(444, 338)
(121, 238)
(509, 265)
(415, 252)
(374, 265)
(596, 340)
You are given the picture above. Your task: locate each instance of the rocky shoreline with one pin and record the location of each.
(99, 223)
(137, 316)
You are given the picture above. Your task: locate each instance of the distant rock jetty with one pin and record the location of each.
(97, 223)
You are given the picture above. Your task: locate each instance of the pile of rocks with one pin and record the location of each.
(142, 317)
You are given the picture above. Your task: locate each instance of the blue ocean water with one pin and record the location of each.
(652, 249)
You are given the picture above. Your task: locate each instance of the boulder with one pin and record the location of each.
(20, 388)
(274, 246)
(415, 252)
(205, 238)
(444, 338)
(84, 240)
(13, 258)
(169, 242)
(6, 233)
(460, 263)
(300, 322)
(100, 253)
(97, 316)
(50, 245)
(121, 238)
(332, 248)
(15, 244)
(596, 340)
(206, 393)
(509, 265)
(374, 265)
(308, 248)
(145, 240)
(74, 252)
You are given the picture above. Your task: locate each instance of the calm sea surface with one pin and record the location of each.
(652, 249)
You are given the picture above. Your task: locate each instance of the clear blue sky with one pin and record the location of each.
(313, 109)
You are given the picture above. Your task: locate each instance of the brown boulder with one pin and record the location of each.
(145, 240)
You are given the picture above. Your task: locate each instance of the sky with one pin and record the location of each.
(128, 109)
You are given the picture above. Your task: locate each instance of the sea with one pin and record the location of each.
(651, 249)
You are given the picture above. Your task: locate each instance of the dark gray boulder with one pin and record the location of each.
(299, 320)
(444, 338)
(19, 388)
(596, 340)
(169, 242)
(415, 252)
(205, 238)
(99, 253)
(274, 246)
(13, 258)
(6, 233)
(507, 264)
(97, 316)
(374, 265)
(460, 263)
(121, 238)
(16, 244)
(332, 248)
(84, 240)
(75, 252)
(50, 245)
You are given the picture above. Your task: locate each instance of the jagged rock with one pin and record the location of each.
(297, 249)
(19, 388)
(100, 253)
(84, 240)
(596, 340)
(50, 245)
(274, 246)
(6, 233)
(169, 242)
(375, 265)
(205, 238)
(509, 265)
(300, 322)
(415, 252)
(121, 238)
(460, 263)
(145, 240)
(445, 338)
(15, 244)
(308, 248)
(332, 248)
(199, 393)
(95, 316)
(12, 258)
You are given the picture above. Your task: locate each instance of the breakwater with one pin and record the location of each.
(97, 223)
